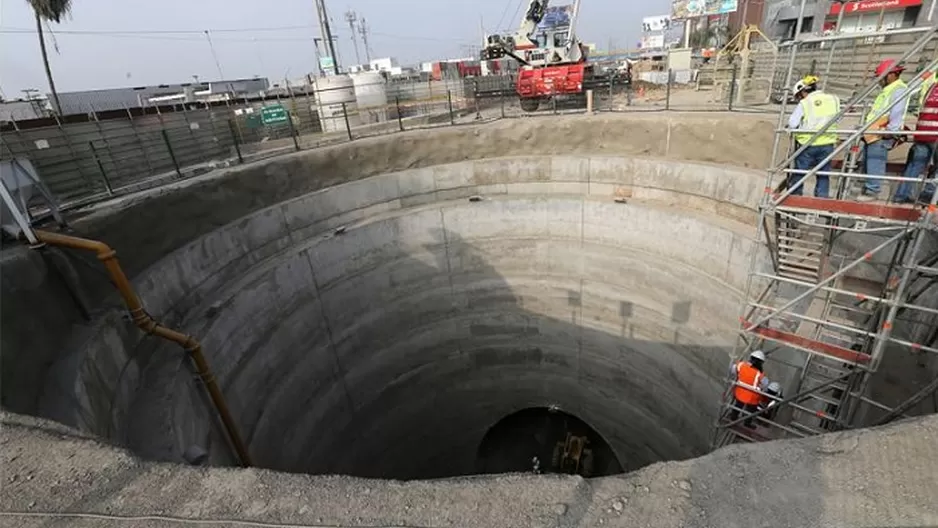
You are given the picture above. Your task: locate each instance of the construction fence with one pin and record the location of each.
(89, 157)
(844, 63)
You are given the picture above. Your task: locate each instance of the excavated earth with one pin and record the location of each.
(372, 309)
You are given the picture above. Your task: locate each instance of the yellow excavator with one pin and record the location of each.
(573, 457)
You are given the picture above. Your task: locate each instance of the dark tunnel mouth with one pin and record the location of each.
(543, 440)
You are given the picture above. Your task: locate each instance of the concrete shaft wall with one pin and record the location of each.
(446, 311)
(390, 348)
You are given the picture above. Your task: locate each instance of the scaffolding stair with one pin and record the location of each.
(825, 330)
(800, 250)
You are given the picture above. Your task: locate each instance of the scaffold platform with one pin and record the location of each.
(823, 309)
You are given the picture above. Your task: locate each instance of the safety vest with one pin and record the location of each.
(884, 99)
(818, 108)
(928, 116)
(749, 376)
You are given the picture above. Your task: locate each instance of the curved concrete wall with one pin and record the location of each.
(192, 244)
(390, 348)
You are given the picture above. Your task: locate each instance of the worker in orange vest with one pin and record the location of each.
(749, 380)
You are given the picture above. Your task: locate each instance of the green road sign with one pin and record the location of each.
(274, 115)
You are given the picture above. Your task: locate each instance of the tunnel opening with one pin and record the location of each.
(545, 440)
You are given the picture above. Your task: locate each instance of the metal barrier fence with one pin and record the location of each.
(90, 157)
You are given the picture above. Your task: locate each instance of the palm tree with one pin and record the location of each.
(49, 11)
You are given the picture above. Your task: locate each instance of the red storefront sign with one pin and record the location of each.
(865, 6)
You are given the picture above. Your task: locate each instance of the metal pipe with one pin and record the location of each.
(908, 404)
(845, 132)
(786, 401)
(829, 280)
(819, 322)
(799, 25)
(830, 56)
(903, 284)
(142, 319)
(853, 175)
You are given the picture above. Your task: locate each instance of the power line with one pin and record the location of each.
(517, 10)
(170, 37)
(502, 18)
(154, 31)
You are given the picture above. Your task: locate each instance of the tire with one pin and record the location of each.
(530, 104)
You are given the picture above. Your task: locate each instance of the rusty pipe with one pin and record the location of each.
(142, 319)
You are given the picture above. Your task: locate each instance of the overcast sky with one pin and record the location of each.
(409, 30)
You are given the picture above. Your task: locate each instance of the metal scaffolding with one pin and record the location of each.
(842, 273)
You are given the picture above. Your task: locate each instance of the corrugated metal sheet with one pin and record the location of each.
(118, 98)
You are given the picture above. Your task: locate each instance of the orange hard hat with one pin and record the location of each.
(890, 66)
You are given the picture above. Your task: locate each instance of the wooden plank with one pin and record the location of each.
(873, 210)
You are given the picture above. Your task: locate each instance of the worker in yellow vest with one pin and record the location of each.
(814, 110)
(876, 146)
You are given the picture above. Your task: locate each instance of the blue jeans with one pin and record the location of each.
(806, 161)
(874, 158)
(919, 156)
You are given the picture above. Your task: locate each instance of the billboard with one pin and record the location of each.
(652, 42)
(656, 23)
(556, 17)
(681, 9)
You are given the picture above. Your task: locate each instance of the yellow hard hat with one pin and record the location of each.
(810, 80)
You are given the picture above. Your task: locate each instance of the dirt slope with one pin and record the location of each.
(883, 477)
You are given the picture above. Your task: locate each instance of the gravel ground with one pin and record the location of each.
(52, 477)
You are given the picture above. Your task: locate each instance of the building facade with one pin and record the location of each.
(780, 17)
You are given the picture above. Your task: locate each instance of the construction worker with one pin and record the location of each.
(749, 379)
(814, 110)
(922, 151)
(774, 389)
(876, 147)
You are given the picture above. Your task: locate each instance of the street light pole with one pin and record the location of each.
(327, 33)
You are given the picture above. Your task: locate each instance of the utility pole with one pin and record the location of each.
(363, 29)
(316, 41)
(328, 43)
(351, 18)
(214, 56)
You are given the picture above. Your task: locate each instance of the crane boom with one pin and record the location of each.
(554, 44)
(553, 59)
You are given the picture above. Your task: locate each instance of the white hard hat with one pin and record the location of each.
(799, 86)
(757, 354)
